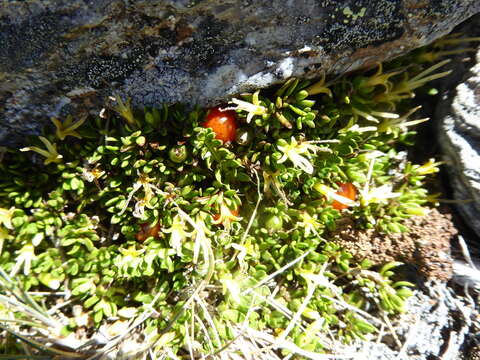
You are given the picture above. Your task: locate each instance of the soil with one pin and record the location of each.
(426, 245)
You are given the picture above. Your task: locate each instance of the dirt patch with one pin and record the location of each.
(427, 245)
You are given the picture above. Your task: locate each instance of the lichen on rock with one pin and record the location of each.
(197, 52)
(459, 132)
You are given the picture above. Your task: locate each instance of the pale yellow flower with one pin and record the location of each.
(149, 191)
(270, 180)
(298, 154)
(4, 235)
(388, 125)
(68, 127)
(226, 216)
(377, 195)
(51, 154)
(6, 217)
(131, 258)
(320, 87)
(24, 259)
(309, 223)
(253, 108)
(131, 252)
(178, 233)
(380, 78)
(429, 167)
(332, 194)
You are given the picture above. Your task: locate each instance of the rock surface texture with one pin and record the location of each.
(436, 326)
(60, 56)
(459, 138)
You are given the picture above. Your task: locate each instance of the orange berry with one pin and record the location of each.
(223, 124)
(147, 230)
(347, 190)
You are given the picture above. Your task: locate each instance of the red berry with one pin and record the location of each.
(223, 124)
(147, 230)
(347, 190)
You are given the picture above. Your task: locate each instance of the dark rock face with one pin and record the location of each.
(459, 137)
(62, 56)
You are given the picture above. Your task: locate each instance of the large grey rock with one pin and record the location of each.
(437, 325)
(60, 56)
(459, 138)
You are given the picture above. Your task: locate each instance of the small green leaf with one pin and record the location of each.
(91, 301)
(389, 266)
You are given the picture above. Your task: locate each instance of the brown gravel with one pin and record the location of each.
(427, 245)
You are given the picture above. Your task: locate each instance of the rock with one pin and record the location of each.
(459, 138)
(435, 326)
(63, 56)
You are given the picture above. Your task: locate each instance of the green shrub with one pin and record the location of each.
(242, 228)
